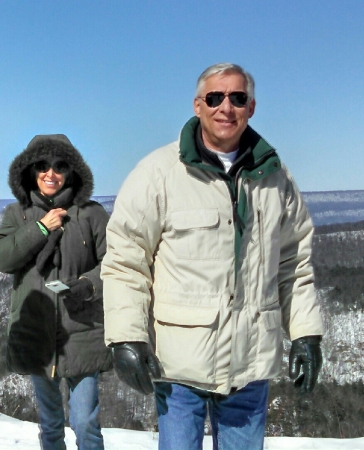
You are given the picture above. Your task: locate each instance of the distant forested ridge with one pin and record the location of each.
(328, 207)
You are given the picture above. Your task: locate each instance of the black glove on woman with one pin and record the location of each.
(80, 290)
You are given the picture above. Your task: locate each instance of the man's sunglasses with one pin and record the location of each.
(57, 166)
(214, 99)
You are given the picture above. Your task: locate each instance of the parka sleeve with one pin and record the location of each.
(133, 233)
(301, 312)
(98, 219)
(19, 244)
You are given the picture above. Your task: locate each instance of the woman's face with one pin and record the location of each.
(51, 178)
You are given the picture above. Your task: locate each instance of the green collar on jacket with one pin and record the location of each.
(266, 160)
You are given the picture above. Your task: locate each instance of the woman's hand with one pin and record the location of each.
(54, 218)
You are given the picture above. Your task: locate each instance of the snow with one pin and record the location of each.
(23, 435)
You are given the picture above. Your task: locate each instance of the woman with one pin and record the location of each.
(55, 232)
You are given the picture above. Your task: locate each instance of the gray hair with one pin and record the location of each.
(222, 68)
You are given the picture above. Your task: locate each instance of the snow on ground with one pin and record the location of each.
(16, 434)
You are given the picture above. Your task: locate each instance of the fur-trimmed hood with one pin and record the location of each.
(45, 147)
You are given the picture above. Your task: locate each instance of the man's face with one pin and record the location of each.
(223, 125)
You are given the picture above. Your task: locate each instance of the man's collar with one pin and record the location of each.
(244, 156)
(253, 151)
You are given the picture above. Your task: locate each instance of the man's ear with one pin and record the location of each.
(252, 104)
(196, 106)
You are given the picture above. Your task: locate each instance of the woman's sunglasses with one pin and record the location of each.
(214, 99)
(57, 166)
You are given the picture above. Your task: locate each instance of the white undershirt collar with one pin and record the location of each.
(226, 158)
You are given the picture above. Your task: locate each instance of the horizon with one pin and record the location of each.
(302, 192)
(325, 207)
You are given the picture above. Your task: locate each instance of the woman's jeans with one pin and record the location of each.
(237, 420)
(83, 410)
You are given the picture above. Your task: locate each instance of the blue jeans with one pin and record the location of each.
(237, 420)
(83, 406)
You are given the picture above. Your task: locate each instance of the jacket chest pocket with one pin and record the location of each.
(196, 234)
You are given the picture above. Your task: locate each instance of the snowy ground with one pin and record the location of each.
(16, 434)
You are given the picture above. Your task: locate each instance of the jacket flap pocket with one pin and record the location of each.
(271, 319)
(195, 218)
(185, 314)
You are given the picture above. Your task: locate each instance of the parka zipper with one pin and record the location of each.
(54, 367)
(57, 314)
(261, 235)
(236, 183)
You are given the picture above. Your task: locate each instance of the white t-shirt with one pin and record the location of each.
(227, 158)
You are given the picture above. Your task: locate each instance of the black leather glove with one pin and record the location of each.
(132, 362)
(306, 354)
(80, 290)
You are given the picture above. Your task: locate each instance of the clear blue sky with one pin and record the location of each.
(118, 78)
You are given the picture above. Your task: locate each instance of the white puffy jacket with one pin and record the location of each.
(210, 294)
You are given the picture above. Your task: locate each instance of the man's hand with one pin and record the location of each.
(305, 353)
(133, 361)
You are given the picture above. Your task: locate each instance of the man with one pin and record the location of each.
(209, 248)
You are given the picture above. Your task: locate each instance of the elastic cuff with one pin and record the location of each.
(43, 228)
(310, 339)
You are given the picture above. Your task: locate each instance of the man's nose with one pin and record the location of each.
(226, 104)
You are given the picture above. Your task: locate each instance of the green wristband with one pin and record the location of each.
(43, 228)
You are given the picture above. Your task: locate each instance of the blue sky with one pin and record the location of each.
(118, 78)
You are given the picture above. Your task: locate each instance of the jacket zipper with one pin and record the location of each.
(54, 367)
(261, 234)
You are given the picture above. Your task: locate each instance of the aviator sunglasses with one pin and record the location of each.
(214, 99)
(57, 166)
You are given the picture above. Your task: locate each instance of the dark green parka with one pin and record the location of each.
(46, 336)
